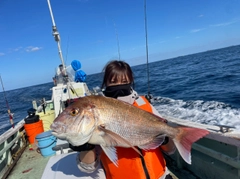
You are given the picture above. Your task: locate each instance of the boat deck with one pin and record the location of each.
(30, 165)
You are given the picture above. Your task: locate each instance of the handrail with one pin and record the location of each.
(234, 162)
(9, 145)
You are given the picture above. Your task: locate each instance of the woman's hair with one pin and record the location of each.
(117, 70)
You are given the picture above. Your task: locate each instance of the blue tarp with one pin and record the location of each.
(80, 76)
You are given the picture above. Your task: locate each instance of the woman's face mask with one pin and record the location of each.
(118, 90)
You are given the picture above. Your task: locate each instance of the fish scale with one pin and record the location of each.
(126, 129)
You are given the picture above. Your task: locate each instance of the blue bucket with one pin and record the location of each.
(46, 141)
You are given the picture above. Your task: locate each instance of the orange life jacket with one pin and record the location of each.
(130, 163)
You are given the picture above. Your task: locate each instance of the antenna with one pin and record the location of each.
(67, 49)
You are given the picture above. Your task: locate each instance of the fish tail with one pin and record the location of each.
(184, 140)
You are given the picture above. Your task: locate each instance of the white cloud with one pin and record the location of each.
(201, 15)
(178, 37)
(2, 54)
(222, 24)
(32, 49)
(225, 23)
(17, 49)
(197, 30)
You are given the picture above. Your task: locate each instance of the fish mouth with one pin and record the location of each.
(59, 136)
(58, 128)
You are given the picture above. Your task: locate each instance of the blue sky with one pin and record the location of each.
(88, 28)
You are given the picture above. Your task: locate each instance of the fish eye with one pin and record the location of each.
(74, 112)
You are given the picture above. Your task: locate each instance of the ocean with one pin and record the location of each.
(202, 87)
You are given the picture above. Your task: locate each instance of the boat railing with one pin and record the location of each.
(217, 155)
(12, 144)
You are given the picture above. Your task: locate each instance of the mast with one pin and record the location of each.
(57, 37)
(65, 75)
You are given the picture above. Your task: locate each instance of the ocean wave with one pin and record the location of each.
(204, 112)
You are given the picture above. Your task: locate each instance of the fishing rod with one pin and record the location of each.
(117, 40)
(9, 111)
(148, 96)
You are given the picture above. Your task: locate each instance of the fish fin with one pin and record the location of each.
(111, 152)
(184, 140)
(115, 139)
(156, 142)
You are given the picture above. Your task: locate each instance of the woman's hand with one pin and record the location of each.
(168, 147)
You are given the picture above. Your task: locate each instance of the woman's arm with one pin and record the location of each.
(87, 161)
(87, 158)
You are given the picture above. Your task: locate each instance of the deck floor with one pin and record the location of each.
(29, 166)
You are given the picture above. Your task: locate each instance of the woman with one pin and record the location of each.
(118, 81)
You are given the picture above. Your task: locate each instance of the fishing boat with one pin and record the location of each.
(217, 155)
(19, 156)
